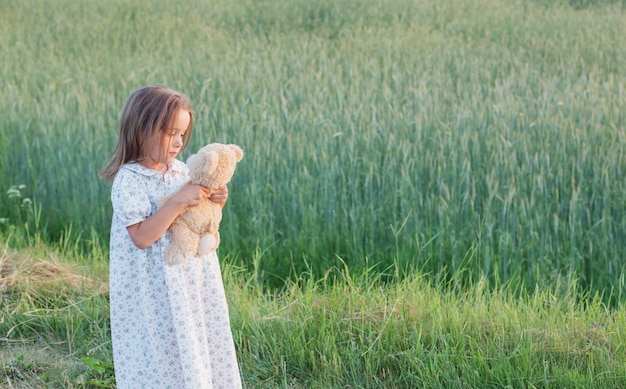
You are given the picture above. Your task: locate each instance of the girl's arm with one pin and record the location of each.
(144, 233)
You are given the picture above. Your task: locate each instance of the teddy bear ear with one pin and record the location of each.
(205, 161)
(211, 161)
(192, 161)
(238, 152)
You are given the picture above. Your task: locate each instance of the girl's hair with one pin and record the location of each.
(148, 111)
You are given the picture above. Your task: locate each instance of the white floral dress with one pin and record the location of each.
(169, 324)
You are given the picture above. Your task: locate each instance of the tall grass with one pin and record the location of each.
(478, 137)
(351, 330)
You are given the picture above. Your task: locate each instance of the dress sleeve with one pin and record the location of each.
(129, 198)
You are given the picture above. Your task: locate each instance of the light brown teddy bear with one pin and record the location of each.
(195, 231)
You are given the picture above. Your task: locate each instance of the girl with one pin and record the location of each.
(169, 324)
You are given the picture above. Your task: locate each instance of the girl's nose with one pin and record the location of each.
(178, 140)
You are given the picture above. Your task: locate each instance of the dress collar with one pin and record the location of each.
(176, 166)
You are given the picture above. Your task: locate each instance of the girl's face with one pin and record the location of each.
(166, 145)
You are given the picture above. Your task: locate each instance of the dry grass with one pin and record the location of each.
(52, 313)
(44, 273)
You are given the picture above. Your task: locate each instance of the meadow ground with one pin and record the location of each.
(348, 331)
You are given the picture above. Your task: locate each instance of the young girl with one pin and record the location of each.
(169, 324)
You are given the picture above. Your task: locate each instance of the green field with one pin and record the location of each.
(420, 149)
(485, 137)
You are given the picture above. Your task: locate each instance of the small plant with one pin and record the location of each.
(22, 206)
(21, 215)
(101, 374)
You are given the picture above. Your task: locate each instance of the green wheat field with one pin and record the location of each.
(433, 192)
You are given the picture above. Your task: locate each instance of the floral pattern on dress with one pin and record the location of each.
(169, 324)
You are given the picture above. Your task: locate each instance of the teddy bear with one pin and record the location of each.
(195, 232)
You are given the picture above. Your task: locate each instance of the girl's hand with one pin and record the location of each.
(191, 195)
(220, 196)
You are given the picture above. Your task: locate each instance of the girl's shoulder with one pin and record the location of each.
(131, 172)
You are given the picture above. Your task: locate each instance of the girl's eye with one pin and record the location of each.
(173, 133)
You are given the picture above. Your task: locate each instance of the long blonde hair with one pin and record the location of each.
(148, 111)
